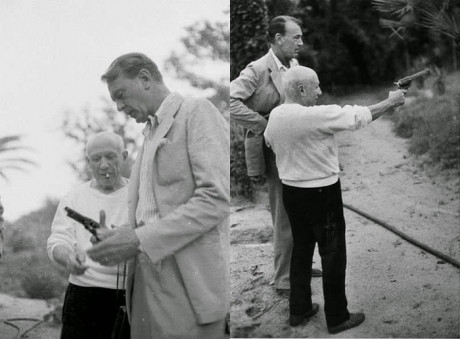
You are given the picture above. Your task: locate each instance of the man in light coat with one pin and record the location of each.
(178, 208)
(253, 95)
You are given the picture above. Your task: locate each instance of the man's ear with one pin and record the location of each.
(125, 155)
(145, 77)
(278, 38)
(301, 89)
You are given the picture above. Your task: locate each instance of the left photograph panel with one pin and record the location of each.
(114, 169)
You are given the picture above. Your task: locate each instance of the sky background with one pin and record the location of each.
(52, 56)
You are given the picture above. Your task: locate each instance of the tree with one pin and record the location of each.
(248, 33)
(437, 16)
(9, 144)
(79, 127)
(204, 60)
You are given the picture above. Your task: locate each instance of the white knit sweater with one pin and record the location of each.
(67, 232)
(304, 143)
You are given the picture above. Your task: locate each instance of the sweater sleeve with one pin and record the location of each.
(62, 230)
(351, 118)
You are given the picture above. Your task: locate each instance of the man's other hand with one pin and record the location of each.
(116, 246)
(75, 263)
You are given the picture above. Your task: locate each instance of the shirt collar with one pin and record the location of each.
(279, 65)
(157, 118)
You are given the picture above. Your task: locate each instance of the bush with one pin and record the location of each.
(41, 280)
(434, 128)
(20, 241)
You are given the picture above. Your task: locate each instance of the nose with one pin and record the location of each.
(104, 164)
(319, 91)
(300, 43)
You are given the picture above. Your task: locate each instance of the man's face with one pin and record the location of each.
(312, 92)
(291, 41)
(106, 162)
(131, 97)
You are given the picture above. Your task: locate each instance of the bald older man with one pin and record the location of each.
(92, 300)
(302, 136)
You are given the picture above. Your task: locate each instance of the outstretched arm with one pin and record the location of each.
(395, 99)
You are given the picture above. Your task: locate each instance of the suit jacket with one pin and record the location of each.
(253, 95)
(192, 192)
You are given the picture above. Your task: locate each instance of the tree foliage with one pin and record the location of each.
(343, 41)
(204, 60)
(10, 145)
(248, 33)
(438, 17)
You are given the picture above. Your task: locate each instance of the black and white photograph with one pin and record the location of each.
(345, 168)
(114, 169)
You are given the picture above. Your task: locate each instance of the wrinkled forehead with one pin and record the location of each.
(104, 143)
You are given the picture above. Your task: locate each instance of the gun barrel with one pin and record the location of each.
(416, 75)
(88, 223)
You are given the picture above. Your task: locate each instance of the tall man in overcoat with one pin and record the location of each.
(178, 208)
(253, 95)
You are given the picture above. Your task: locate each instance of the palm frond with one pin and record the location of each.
(393, 8)
(9, 145)
(440, 21)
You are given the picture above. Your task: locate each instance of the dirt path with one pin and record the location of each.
(403, 291)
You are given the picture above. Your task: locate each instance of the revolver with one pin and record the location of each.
(405, 83)
(88, 223)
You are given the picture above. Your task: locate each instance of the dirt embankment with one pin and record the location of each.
(404, 291)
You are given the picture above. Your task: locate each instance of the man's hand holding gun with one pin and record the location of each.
(110, 246)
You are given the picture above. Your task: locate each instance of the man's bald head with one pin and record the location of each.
(106, 155)
(301, 86)
(103, 139)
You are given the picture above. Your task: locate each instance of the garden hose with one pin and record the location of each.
(406, 237)
(20, 335)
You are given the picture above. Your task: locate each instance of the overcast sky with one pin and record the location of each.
(53, 53)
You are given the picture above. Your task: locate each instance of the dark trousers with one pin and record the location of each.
(316, 216)
(90, 312)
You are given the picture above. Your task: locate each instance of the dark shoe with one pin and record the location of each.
(296, 320)
(283, 292)
(316, 273)
(355, 320)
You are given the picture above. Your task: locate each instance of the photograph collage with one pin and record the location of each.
(217, 169)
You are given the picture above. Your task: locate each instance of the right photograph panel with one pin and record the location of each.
(345, 121)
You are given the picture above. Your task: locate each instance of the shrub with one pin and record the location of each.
(21, 241)
(433, 126)
(41, 280)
